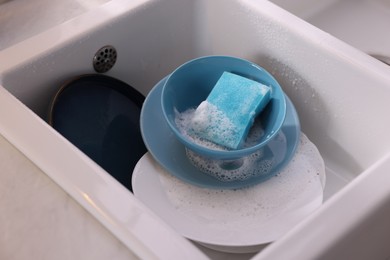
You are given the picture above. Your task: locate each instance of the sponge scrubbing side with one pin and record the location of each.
(230, 109)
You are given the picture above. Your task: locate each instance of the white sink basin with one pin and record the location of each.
(340, 93)
(21, 19)
(361, 23)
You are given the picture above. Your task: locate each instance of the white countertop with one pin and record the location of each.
(39, 220)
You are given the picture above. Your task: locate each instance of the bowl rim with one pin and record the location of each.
(224, 154)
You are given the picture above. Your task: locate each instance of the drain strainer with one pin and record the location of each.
(104, 59)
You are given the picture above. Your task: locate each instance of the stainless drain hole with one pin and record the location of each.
(104, 59)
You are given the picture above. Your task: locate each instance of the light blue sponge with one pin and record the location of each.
(230, 109)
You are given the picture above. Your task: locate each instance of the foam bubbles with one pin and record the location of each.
(234, 170)
(300, 183)
(213, 124)
(185, 124)
(242, 169)
(183, 121)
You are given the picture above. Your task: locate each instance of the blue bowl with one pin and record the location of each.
(191, 83)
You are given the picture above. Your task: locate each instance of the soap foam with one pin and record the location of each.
(251, 165)
(298, 185)
(208, 121)
(185, 123)
(247, 167)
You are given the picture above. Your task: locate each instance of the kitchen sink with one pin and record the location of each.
(361, 23)
(341, 95)
(21, 19)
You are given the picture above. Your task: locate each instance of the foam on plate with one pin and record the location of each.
(250, 207)
(251, 165)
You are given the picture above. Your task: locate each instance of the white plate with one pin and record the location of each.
(241, 220)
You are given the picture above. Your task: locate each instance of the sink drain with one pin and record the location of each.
(104, 59)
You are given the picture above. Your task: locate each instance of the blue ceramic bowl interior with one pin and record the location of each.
(191, 83)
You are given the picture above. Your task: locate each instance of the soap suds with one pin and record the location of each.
(251, 166)
(299, 182)
(247, 167)
(208, 121)
(184, 122)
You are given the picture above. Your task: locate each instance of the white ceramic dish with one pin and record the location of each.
(241, 220)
